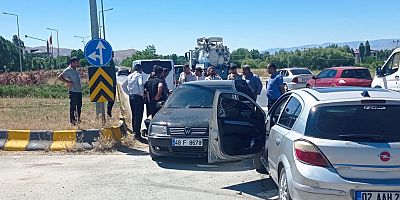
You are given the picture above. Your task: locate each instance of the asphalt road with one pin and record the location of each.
(128, 174)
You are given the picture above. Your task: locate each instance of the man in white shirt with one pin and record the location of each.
(212, 74)
(186, 75)
(199, 74)
(134, 87)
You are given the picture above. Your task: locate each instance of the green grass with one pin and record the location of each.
(53, 91)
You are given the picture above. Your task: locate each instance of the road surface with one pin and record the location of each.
(127, 174)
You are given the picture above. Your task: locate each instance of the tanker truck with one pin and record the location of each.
(210, 52)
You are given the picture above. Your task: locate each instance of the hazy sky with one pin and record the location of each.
(173, 25)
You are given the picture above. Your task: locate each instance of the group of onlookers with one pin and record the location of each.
(187, 75)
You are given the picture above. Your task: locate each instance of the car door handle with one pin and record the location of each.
(278, 141)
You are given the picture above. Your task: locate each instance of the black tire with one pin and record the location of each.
(259, 166)
(283, 186)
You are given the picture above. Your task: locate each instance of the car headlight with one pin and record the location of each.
(158, 130)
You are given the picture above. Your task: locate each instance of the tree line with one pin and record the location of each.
(150, 53)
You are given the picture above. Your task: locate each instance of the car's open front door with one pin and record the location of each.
(237, 128)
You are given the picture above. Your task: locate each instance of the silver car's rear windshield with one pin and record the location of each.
(300, 71)
(193, 96)
(355, 122)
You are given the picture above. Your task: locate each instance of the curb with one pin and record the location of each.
(46, 140)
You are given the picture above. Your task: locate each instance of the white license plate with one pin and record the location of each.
(378, 195)
(187, 142)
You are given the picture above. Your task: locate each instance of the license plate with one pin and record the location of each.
(378, 195)
(187, 142)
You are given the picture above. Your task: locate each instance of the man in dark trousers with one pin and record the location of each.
(134, 87)
(110, 104)
(72, 77)
(156, 90)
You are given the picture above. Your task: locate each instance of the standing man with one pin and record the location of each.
(234, 75)
(212, 74)
(253, 80)
(199, 74)
(134, 87)
(186, 75)
(71, 76)
(110, 104)
(156, 90)
(275, 86)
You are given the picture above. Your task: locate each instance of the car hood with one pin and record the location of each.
(191, 117)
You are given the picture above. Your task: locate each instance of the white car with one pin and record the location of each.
(295, 78)
(147, 66)
(388, 76)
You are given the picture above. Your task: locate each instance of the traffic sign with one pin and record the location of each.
(101, 84)
(98, 52)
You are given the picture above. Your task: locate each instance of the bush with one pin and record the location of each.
(39, 91)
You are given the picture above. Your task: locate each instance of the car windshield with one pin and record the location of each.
(354, 121)
(193, 96)
(356, 73)
(300, 71)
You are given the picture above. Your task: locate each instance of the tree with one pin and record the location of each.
(367, 49)
(78, 53)
(361, 50)
(255, 54)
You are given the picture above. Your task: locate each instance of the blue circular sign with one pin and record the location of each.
(98, 52)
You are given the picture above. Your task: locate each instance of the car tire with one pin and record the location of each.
(283, 186)
(259, 166)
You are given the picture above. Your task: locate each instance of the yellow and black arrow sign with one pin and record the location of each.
(101, 84)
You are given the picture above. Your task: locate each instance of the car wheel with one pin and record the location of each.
(259, 166)
(283, 186)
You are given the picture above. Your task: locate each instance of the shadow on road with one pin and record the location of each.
(132, 152)
(200, 164)
(264, 188)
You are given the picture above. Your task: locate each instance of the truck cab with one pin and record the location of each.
(388, 76)
(148, 65)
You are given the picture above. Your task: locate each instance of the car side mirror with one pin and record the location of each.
(160, 104)
(314, 77)
(379, 71)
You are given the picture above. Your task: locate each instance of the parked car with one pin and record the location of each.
(388, 76)
(323, 143)
(123, 71)
(181, 127)
(342, 76)
(295, 78)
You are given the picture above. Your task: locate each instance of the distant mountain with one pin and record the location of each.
(375, 45)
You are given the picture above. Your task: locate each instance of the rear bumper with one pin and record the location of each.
(162, 146)
(310, 182)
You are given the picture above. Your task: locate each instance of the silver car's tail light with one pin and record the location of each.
(308, 153)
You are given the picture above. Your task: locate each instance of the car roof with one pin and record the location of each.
(347, 67)
(340, 93)
(294, 68)
(209, 83)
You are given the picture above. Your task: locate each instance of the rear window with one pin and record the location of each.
(356, 73)
(148, 65)
(300, 71)
(358, 121)
(193, 96)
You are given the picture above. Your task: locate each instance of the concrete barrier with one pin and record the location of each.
(27, 140)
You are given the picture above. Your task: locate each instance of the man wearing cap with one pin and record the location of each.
(72, 78)
(134, 87)
(234, 75)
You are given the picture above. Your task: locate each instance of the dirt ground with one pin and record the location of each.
(49, 114)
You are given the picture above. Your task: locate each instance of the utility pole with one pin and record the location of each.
(19, 39)
(58, 44)
(104, 26)
(95, 35)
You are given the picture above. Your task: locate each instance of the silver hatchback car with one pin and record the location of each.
(322, 143)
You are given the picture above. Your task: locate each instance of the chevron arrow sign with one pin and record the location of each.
(101, 84)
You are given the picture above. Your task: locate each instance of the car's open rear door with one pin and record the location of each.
(237, 128)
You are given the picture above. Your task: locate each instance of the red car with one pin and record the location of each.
(341, 76)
